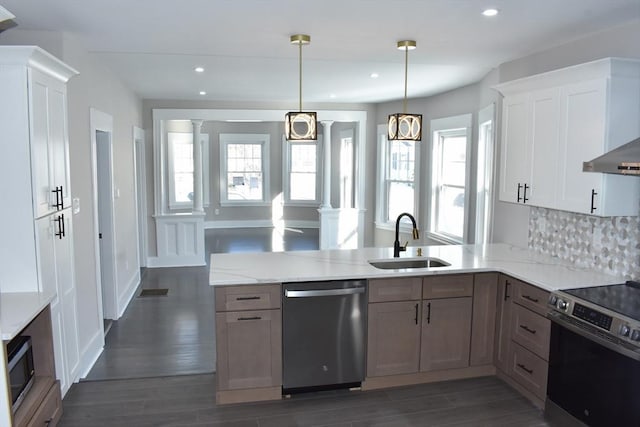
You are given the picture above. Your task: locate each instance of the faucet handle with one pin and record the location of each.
(404, 247)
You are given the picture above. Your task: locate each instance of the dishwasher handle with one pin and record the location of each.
(323, 292)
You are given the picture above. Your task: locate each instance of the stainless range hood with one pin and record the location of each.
(624, 160)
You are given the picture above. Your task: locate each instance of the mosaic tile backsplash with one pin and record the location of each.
(609, 245)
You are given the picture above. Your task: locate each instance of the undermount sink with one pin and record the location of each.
(397, 264)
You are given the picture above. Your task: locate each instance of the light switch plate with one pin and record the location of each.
(76, 205)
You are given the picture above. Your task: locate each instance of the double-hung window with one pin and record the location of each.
(449, 178)
(301, 172)
(397, 184)
(180, 167)
(244, 171)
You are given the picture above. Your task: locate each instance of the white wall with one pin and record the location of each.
(96, 86)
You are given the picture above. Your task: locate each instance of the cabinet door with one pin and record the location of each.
(582, 134)
(515, 160)
(485, 289)
(393, 338)
(446, 333)
(59, 141)
(541, 186)
(40, 148)
(249, 349)
(503, 323)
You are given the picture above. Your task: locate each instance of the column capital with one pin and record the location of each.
(197, 122)
(326, 122)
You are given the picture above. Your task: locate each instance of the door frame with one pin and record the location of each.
(103, 122)
(140, 193)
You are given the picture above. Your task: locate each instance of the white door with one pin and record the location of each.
(140, 193)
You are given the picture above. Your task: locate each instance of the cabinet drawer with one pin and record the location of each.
(50, 410)
(529, 370)
(531, 297)
(460, 285)
(403, 289)
(259, 297)
(531, 331)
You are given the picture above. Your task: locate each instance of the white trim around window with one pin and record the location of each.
(252, 170)
(308, 173)
(183, 142)
(447, 187)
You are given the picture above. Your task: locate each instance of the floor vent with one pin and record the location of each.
(154, 292)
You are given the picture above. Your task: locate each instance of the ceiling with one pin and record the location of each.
(154, 45)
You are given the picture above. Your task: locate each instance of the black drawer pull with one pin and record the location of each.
(428, 312)
(524, 199)
(48, 422)
(519, 198)
(536, 300)
(524, 368)
(506, 288)
(593, 202)
(250, 318)
(526, 328)
(416, 314)
(246, 298)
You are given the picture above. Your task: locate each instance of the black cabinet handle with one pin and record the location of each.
(506, 289)
(246, 298)
(519, 188)
(428, 312)
(524, 368)
(524, 199)
(60, 220)
(416, 318)
(59, 205)
(593, 202)
(250, 318)
(526, 328)
(48, 422)
(530, 298)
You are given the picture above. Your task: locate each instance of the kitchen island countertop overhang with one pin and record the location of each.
(546, 272)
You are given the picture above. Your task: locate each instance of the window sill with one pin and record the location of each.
(251, 203)
(444, 239)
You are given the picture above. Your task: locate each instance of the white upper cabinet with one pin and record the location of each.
(553, 122)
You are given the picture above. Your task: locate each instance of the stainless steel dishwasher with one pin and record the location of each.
(323, 334)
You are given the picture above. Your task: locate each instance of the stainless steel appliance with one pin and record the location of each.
(323, 334)
(594, 358)
(21, 369)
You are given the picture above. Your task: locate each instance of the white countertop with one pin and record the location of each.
(18, 309)
(301, 266)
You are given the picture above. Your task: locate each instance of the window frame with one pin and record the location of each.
(286, 173)
(382, 182)
(448, 127)
(204, 139)
(245, 138)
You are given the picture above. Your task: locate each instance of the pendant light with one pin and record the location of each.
(300, 125)
(405, 126)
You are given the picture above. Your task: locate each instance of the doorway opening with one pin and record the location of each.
(103, 207)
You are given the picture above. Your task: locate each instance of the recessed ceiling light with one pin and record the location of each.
(199, 70)
(332, 95)
(374, 75)
(490, 12)
(203, 92)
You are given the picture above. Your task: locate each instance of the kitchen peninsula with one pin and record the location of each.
(483, 313)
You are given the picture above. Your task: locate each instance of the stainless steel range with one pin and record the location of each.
(594, 360)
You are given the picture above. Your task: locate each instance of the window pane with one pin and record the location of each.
(244, 172)
(303, 158)
(400, 197)
(183, 187)
(451, 211)
(454, 156)
(303, 186)
(401, 160)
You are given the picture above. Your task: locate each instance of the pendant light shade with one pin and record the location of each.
(405, 126)
(300, 125)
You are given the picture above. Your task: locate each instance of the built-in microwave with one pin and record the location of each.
(21, 370)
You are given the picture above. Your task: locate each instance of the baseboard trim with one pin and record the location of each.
(374, 383)
(248, 395)
(155, 262)
(91, 352)
(127, 295)
(209, 225)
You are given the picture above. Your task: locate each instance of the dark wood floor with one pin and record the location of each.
(145, 376)
(188, 401)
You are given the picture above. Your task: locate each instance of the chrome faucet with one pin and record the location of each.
(396, 244)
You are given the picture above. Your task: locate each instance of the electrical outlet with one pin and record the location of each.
(217, 211)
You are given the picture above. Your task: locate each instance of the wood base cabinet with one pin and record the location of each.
(248, 343)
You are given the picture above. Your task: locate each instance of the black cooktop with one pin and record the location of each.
(623, 298)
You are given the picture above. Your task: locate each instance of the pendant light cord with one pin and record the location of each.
(406, 67)
(300, 56)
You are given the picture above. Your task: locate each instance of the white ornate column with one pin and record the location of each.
(326, 147)
(198, 204)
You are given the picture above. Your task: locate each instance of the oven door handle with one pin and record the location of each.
(591, 334)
